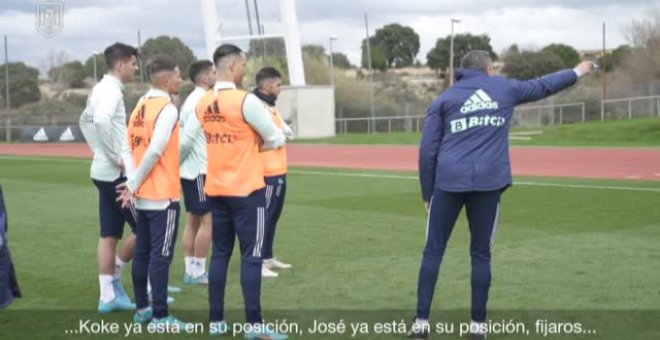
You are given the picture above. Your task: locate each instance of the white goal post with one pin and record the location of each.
(291, 36)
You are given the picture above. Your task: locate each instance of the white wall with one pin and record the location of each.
(310, 109)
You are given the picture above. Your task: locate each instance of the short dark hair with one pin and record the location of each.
(119, 52)
(476, 60)
(197, 68)
(225, 50)
(159, 63)
(267, 73)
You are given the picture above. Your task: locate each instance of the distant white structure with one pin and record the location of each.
(309, 109)
(291, 36)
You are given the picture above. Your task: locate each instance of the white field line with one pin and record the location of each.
(381, 175)
(529, 183)
(525, 133)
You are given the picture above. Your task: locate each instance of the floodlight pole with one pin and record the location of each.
(603, 74)
(372, 125)
(249, 17)
(7, 99)
(141, 64)
(451, 52)
(332, 62)
(94, 61)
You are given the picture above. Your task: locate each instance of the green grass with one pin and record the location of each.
(355, 240)
(623, 133)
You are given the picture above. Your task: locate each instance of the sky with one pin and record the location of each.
(91, 25)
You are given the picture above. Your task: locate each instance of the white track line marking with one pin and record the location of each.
(377, 175)
(529, 183)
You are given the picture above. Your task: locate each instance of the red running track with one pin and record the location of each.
(605, 163)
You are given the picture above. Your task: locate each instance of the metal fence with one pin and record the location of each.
(542, 115)
(527, 116)
(630, 108)
(524, 116)
(379, 124)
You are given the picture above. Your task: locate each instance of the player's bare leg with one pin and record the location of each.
(113, 297)
(189, 233)
(106, 255)
(201, 249)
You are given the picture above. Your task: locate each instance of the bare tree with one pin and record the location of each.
(642, 32)
(54, 61)
(643, 64)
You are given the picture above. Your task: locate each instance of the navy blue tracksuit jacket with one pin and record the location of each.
(465, 145)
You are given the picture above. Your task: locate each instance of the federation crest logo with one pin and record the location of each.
(50, 17)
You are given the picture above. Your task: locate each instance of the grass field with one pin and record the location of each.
(624, 133)
(575, 250)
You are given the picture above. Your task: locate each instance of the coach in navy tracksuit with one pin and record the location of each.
(464, 161)
(8, 285)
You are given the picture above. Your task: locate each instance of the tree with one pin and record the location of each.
(23, 85)
(340, 60)
(513, 49)
(315, 51)
(316, 65)
(101, 67)
(266, 52)
(438, 56)
(71, 74)
(645, 33)
(56, 59)
(642, 65)
(397, 44)
(615, 58)
(170, 46)
(530, 65)
(568, 55)
(618, 56)
(378, 56)
(270, 47)
(401, 44)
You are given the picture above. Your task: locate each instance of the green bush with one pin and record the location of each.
(77, 100)
(49, 111)
(132, 94)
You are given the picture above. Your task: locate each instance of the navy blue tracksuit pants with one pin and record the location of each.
(482, 209)
(8, 283)
(275, 194)
(244, 217)
(154, 248)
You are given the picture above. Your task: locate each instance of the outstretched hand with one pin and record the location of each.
(586, 67)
